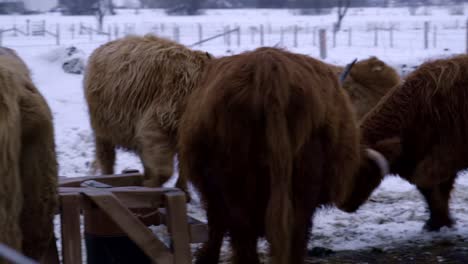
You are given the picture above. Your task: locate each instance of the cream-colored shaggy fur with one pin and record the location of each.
(28, 160)
(136, 88)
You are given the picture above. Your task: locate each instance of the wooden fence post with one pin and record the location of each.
(228, 35)
(314, 37)
(28, 23)
(90, 32)
(426, 35)
(252, 34)
(296, 30)
(335, 31)
(391, 36)
(238, 36)
(376, 36)
(57, 34)
(176, 33)
(434, 37)
(281, 35)
(200, 32)
(116, 30)
(262, 36)
(72, 29)
(466, 36)
(323, 43)
(350, 37)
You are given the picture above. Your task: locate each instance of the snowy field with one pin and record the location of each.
(396, 212)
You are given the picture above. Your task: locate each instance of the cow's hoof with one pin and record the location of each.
(435, 225)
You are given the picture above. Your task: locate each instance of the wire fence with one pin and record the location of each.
(389, 35)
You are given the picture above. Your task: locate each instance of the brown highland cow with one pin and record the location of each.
(28, 163)
(136, 88)
(267, 137)
(368, 81)
(421, 127)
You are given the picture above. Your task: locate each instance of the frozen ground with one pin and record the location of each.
(396, 211)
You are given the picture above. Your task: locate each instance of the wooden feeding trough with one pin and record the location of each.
(116, 212)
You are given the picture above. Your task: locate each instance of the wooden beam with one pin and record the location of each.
(178, 227)
(134, 228)
(198, 229)
(131, 197)
(70, 225)
(129, 179)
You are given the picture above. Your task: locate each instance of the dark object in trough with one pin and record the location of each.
(106, 243)
(120, 249)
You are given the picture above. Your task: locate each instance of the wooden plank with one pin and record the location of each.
(198, 229)
(131, 197)
(129, 179)
(70, 225)
(178, 226)
(12, 256)
(134, 228)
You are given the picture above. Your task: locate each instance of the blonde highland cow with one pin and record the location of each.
(136, 88)
(368, 81)
(28, 181)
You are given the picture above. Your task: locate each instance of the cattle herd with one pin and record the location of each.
(266, 137)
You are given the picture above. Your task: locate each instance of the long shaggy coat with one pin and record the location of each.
(267, 137)
(421, 127)
(368, 81)
(136, 88)
(28, 182)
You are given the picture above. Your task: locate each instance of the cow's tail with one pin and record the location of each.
(279, 214)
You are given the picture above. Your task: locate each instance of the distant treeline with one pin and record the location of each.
(294, 3)
(81, 7)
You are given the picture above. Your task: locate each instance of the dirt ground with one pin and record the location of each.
(438, 251)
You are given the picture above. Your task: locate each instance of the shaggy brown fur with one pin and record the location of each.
(267, 137)
(421, 127)
(368, 81)
(136, 89)
(34, 157)
(11, 199)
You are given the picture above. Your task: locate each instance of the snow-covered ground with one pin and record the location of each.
(396, 211)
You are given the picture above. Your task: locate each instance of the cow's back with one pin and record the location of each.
(129, 78)
(263, 125)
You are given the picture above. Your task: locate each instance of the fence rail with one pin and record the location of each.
(388, 35)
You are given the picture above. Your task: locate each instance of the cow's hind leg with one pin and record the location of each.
(244, 244)
(156, 151)
(209, 252)
(437, 198)
(300, 234)
(105, 155)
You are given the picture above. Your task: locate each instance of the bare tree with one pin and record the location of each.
(111, 7)
(343, 6)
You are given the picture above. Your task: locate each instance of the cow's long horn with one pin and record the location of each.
(380, 160)
(346, 71)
